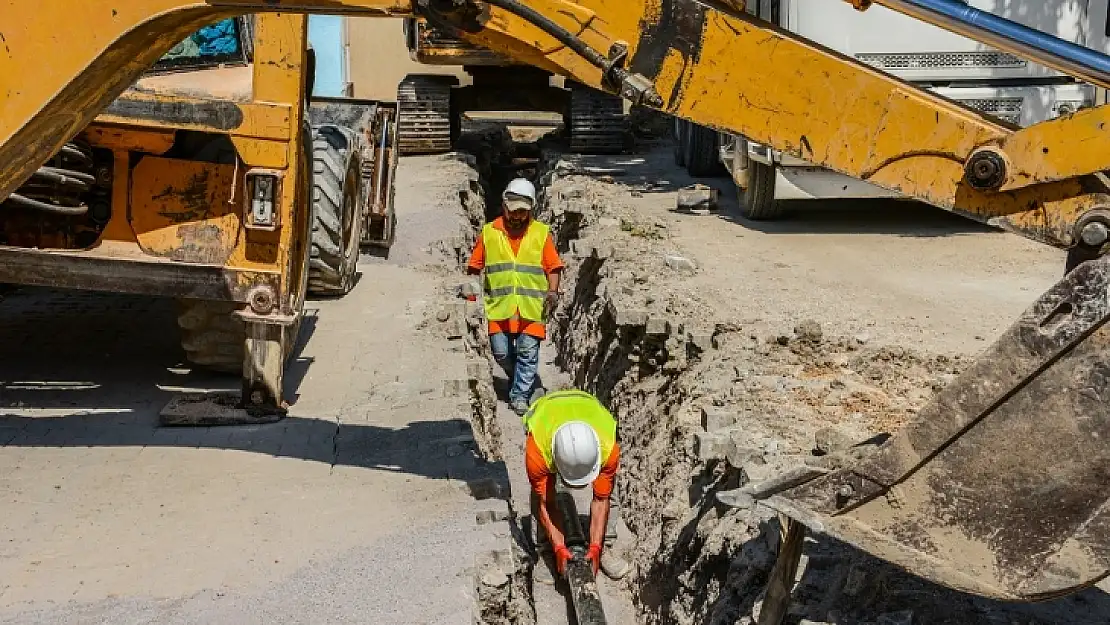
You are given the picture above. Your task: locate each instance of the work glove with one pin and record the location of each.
(562, 556)
(594, 556)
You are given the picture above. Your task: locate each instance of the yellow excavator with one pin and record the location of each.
(218, 180)
(998, 486)
(430, 107)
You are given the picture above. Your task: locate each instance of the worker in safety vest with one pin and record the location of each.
(521, 287)
(572, 436)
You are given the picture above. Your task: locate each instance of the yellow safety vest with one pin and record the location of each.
(515, 281)
(554, 409)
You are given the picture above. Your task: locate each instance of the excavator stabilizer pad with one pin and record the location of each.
(999, 485)
(211, 409)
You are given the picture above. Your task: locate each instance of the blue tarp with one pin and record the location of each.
(219, 38)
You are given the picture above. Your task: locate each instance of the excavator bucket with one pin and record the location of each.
(1001, 485)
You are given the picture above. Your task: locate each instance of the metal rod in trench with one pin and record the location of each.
(584, 594)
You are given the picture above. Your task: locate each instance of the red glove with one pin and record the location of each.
(594, 556)
(562, 556)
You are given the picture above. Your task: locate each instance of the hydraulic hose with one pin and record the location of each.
(634, 87)
(985, 27)
(16, 198)
(564, 36)
(57, 188)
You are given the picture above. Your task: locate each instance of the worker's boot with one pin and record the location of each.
(614, 566)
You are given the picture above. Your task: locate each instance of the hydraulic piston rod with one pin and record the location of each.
(1029, 43)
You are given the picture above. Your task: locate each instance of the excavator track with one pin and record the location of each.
(596, 121)
(424, 123)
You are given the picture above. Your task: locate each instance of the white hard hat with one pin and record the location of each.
(577, 453)
(521, 187)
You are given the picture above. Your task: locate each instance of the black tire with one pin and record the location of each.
(703, 157)
(680, 142)
(758, 201)
(337, 196)
(425, 120)
(596, 121)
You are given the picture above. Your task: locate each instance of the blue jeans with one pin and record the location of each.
(519, 356)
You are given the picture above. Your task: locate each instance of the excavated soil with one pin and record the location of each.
(708, 398)
(715, 387)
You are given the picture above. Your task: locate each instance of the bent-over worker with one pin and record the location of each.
(573, 437)
(521, 287)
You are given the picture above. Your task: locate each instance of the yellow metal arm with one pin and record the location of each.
(63, 61)
(727, 70)
(718, 67)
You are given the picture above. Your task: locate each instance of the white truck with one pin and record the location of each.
(993, 82)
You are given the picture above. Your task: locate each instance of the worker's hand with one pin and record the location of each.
(594, 556)
(550, 303)
(562, 556)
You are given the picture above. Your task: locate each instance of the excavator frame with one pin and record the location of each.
(157, 196)
(431, 106)
(998, 486)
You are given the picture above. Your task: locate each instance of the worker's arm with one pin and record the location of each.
(477, 260)
(603, 490)
(553, 267)
(539, 477)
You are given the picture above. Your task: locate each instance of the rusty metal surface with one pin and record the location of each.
(212, 410)
(111, 270)
(228, 83)
(440, 45)
(999, 485)
(182, 210)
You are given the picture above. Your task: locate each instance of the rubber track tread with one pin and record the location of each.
(597, 123)
(424, 115)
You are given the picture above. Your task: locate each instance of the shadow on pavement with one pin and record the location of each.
(94, 370)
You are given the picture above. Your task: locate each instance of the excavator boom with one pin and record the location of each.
(998, 487)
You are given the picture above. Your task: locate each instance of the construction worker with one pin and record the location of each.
(573, 437)
(521, 287)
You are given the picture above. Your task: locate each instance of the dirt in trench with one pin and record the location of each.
(686, 373)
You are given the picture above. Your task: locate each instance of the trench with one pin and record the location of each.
(707, 401)
(693, 560)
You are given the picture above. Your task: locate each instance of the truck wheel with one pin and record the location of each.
(702, 156)
(337, 199)
(680, 142)
(758, 202)
(424, 114)
(596, 121)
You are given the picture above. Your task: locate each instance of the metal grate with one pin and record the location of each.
(1008, 109)
(942, 60)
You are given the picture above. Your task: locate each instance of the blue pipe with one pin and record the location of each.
(998, 32)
